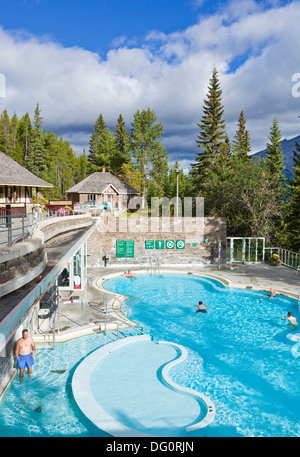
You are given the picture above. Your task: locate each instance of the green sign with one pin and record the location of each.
(125, 248)
(194, 245)
(180, 244)
(159, 244)
(206, 241)
(170, 244)
(149, 244)
(121, 248)
(129, 248)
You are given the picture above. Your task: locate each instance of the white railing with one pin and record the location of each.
(288, 258)
(18, 227)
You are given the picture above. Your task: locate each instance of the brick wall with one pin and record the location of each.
(192, 231)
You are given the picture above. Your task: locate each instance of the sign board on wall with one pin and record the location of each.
(149, 244)
(180, 244)
(125, 248)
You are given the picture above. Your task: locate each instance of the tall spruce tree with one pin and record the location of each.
(37, 157)
(24, 136)
(241, 143)
(274, 154)
(100, 146)
(121, 151)
(212, 128)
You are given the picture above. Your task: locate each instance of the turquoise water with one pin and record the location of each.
(240, 355)
(240, 352)
(140, 398)
(43, 405)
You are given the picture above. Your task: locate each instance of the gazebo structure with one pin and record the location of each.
(16, 184)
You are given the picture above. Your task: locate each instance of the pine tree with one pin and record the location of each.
(100, 142)
(274, 155)
(150, 156)
(122, 145)
(37, 157)
(212, 128)
(5, 133)
(241, 144)
(14, 146)
(24, 135)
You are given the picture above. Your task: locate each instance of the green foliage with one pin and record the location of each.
(241, 144)
(212, 133)
(150, 158)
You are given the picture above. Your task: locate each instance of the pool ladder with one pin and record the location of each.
(154, 264)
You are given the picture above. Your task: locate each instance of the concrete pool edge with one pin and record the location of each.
(211, 412)
(96, 414)
(225, 282)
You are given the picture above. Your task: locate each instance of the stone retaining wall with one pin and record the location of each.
(193, 231)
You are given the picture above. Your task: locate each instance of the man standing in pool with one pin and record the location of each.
(201, 308)
(293, 324)
(24, 352)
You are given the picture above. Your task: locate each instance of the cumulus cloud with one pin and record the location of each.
(255, 49)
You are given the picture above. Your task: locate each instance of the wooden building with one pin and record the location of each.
(103, 188)
(16, 184)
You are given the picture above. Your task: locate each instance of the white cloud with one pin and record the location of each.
(168, 73)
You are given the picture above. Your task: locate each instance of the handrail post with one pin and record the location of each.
(9, 230)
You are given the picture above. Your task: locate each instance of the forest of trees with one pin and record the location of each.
(254, 195)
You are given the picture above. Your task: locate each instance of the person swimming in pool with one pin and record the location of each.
(271, 295)
(293, 324)
(24, 353)
(128, 274)
(201, 308)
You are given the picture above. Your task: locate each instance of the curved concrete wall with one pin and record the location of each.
(22, 262)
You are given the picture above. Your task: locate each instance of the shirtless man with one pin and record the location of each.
(293, 324)
(201, 308)
(24, 352)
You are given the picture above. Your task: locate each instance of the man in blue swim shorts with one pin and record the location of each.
(24, 352)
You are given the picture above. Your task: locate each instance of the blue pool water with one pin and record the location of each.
(240, 355)
(240, 352)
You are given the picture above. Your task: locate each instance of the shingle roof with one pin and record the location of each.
(97, 182)
(13, 174)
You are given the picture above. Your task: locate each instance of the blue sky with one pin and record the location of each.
(80, 58)
(96, 24)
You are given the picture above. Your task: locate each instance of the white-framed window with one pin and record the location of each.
(91, 197)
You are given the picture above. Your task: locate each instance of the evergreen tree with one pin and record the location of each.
(24, 135)
(274, 155)
(148, 152)
(241, 144)
(82, 166)
(5, 133)
(37, 157)
(122, 154)
(100, 144)
(15, 150)
(212, 128)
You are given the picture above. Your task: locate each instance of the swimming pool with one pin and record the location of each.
(241, 355)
